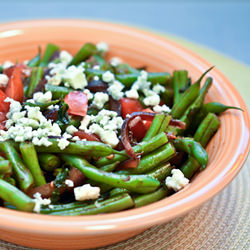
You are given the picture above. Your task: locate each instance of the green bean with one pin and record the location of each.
(135, 183)
(117, 191)
(103, 186)
(5, 167)
(113, 204)
(49, 162)
(49, 52)
(15, 197)
(94, 72)
(187, 98)
(57, 91)
(167, 96)
(36, 76)
(101, 62)
(124, 68)
(154, 127)
(10, 180)
(193, 148)
(194, 108)
(87, 50)
(87, 148)
(150, 161)
(179, 80)
(31, 161)
(1, 69)
(109, 168)
(165, 124)
(21, 173)
(153, 77)
(145, 199)
(161, 172)
(42, 106)
(34, 62)
(190, 167)
(62, 207)
(143, 147)
(217, 108)
(206, 129)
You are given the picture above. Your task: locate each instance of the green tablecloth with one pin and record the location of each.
(222, 223)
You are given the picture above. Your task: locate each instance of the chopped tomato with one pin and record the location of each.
(129, 106)
(138, 128)
(2, 126)
(147, 124)
(78, 103)
(14, 88)
(88, 136)
(4, 106)
(2, 118)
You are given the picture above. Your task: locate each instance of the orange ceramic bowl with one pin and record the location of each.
(227, 151)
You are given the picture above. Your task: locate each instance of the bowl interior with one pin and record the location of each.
(227, 151)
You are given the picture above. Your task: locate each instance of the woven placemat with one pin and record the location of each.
(222, 223)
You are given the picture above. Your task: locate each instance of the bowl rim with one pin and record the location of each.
(135, 218)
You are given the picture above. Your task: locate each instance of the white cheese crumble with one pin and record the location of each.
(100, 99)
(108, 76)
(132, 93)
(96, 67)
(105, 124)
(88, 94)
(177, 181)
(63, 143)
(42, 97)
(161, 109)
(103, 47)
(69, 183)
(65, 57)
(39, 201)
(71, 129)
(85, 122)
(158, 89)
(75, 77)
(4, 79)
(115, 61)
(86, 192)
(7, 64)
(152, 100)
(115, 90)
(96, 78)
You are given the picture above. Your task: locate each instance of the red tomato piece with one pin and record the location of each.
(147, 123)
(78, 103)
(88, 136)
(138, 128)
(4, 106)
(14, 88)
(129, 106)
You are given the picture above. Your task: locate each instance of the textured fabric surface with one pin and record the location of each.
(222, 223)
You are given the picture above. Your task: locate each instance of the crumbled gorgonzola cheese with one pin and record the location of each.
(115, 61)
(69, 183)
(108, 76)
(4, 79)
(86, 192)
(39, 201)
(161, 109)
(100, 99)
(42, 97)
(103, 47)
(115, 90)
(132, 93)
(177, 181)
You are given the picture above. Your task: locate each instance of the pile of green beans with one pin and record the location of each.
(25, 167)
